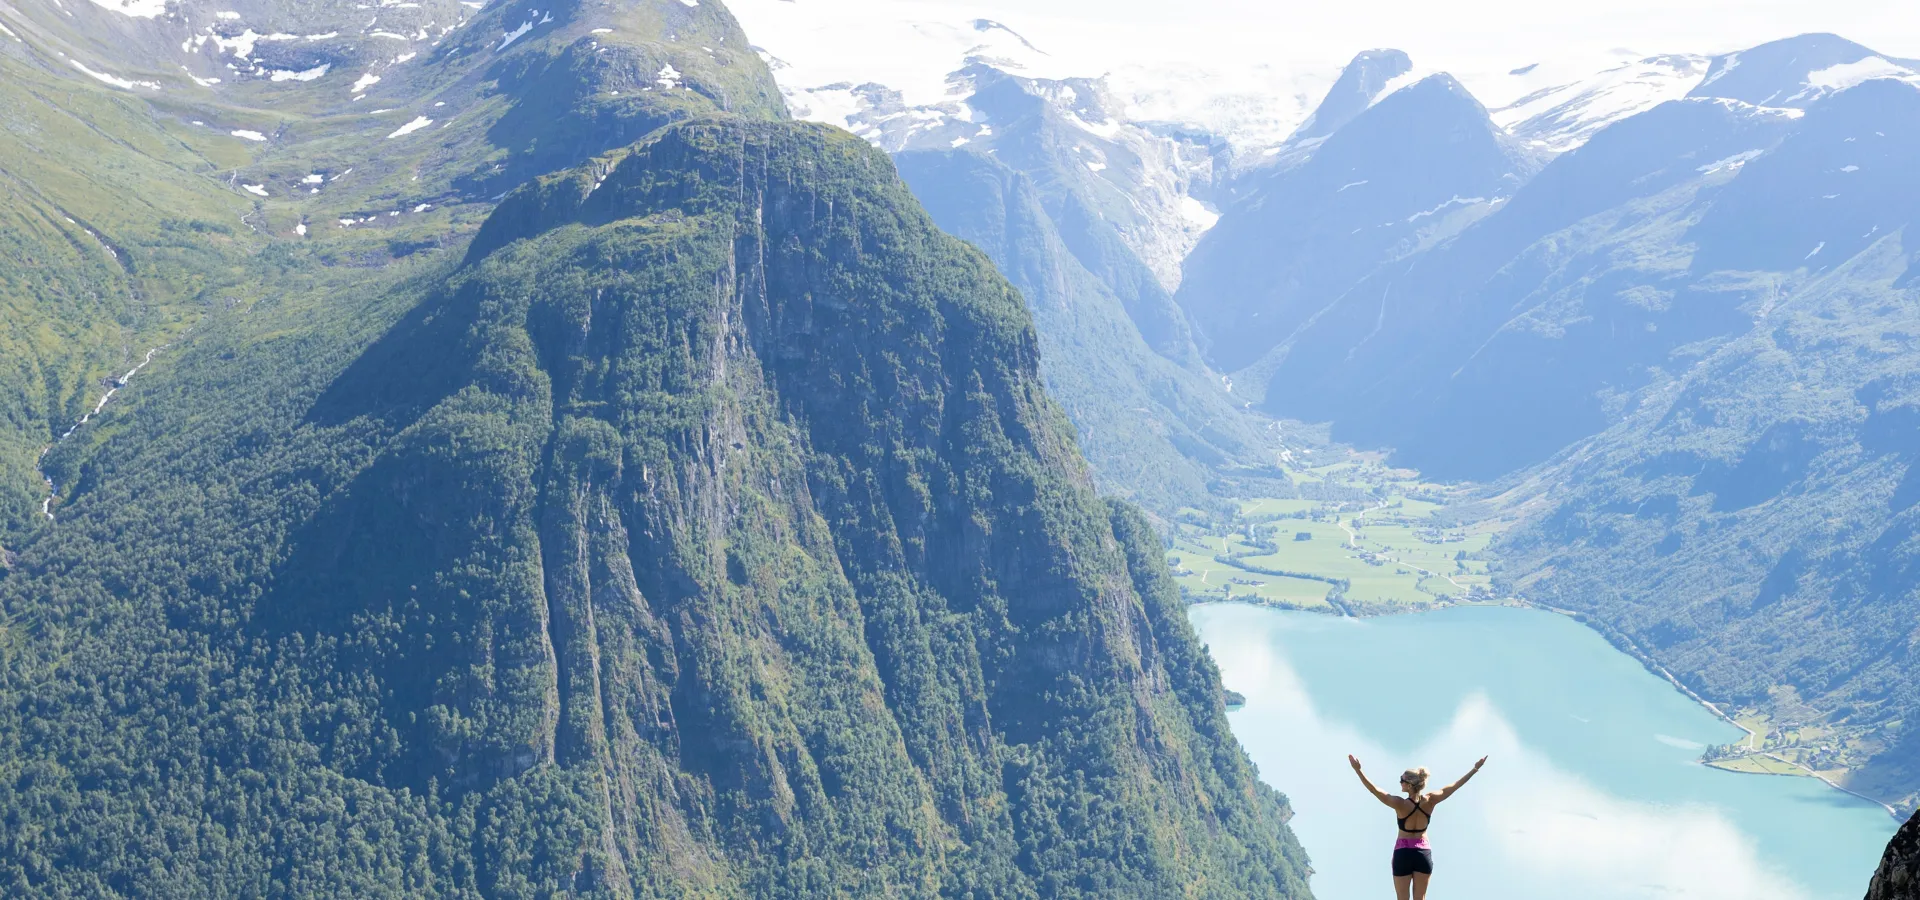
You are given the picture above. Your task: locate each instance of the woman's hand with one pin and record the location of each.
(1366, 782)
(1482, 762)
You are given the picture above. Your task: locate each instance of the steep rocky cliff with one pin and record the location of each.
(1899, 875)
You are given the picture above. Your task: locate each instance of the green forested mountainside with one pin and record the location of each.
(1154, 431)
(1750, 522)
(1753, 525)
(706, 533)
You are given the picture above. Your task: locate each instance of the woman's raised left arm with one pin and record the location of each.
(1382, 796)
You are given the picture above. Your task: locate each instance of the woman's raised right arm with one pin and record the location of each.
(1447, 791)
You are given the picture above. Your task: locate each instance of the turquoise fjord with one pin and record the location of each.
(1594, 791)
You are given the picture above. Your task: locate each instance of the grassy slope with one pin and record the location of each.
(117, 240)
(157, 177)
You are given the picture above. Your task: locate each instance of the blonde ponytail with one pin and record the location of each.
(1417, 778)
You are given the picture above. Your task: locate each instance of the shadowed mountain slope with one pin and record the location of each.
(1152, 430)
(1421, 163)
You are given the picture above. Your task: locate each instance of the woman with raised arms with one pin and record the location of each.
(1412, 855)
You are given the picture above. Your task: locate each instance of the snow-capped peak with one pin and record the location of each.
(822, 61)
(1799, 71)
(1370, 76)
(831, 58)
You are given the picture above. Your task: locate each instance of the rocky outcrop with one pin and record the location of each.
(1899, 875)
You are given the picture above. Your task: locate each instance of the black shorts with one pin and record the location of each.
(1409, 860)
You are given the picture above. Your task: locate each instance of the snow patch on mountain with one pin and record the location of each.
(418, 123)
(139, 9)
(1401, 82)
(1834, 79)
(125, 84)
(313, 74)
(1749, 109)
(1563, 117)
(827, 49)
(509, 37)
(1201, 215)
(1457, 200)
(1732, 162)
(1253, 109)
(828, 58)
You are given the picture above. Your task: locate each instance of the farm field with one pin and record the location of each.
(1756, 764)
(1398, 548)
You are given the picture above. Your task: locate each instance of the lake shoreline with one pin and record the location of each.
(1589, 753)
(1619, 642)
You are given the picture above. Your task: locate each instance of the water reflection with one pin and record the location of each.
(1605, 805)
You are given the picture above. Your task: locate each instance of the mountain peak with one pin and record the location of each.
(1797, 71)
(1424, 161)
(1361, 83)
(1427, 101)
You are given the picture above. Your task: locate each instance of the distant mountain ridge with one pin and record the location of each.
(1684, 344)
(1411, 318)
(1117, 208)
(1419, 163)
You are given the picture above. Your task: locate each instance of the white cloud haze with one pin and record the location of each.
(1253, 68)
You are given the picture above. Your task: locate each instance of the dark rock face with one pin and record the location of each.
(1899, 875)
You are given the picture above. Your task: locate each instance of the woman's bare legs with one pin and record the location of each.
(1401, 885)
(1419, 880)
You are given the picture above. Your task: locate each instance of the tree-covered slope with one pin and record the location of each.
(707, 532)
(1751, 519)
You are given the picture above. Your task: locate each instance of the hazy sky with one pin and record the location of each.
(1477, 29)
(1252, 69)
